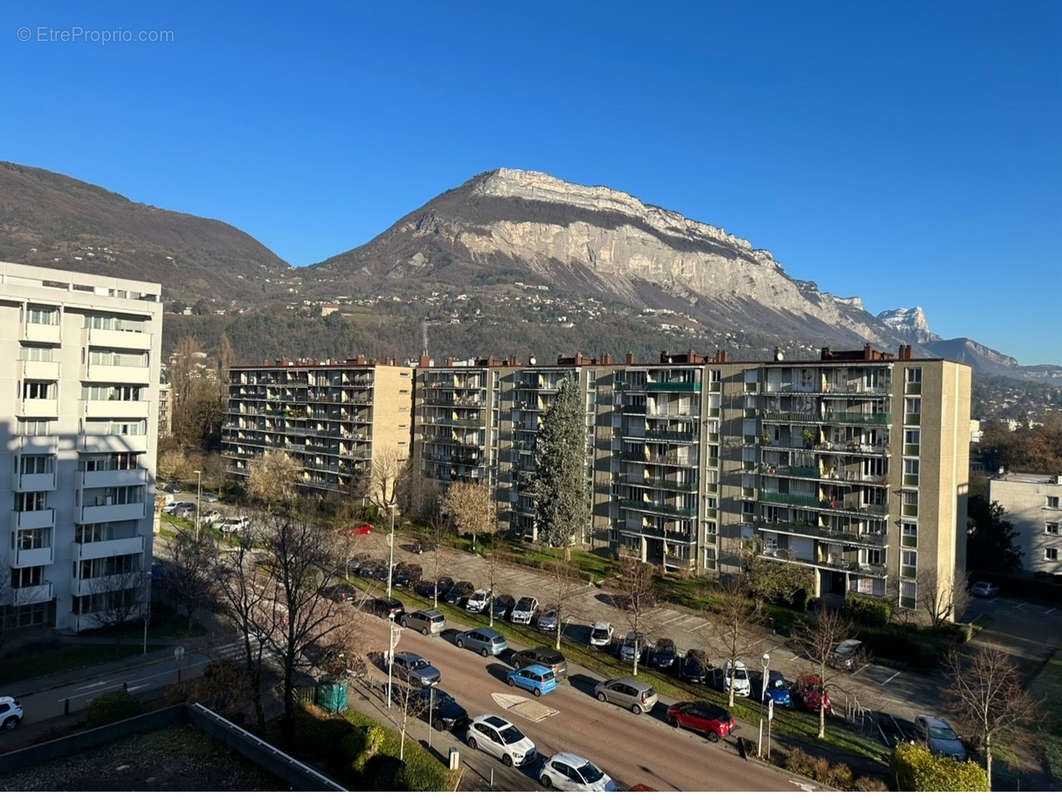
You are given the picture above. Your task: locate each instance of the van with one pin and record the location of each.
(484, 641)
(428, 621)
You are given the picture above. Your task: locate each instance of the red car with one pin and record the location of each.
(714, 722)
(807, 693)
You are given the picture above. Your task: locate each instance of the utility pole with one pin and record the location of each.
(393, 635)
(198, 500)
(391, 557)
(763, 694)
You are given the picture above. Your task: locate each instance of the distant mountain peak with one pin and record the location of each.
(910, 323)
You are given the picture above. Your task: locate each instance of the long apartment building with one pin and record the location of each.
(335, 418)
(854, 465)
(1032, 503)
(78, 423)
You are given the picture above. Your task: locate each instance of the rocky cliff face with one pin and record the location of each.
(909, 322)
(510, 226)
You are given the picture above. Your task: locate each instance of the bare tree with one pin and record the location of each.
(985, 690)
(224, 687)
(387, 465)
(635, 583)
(301, 561)
(174, 465)
(226, 357)
(7, 600)
(121, 594)
(565, 583)
(496, 544)
(434, 536)
(418, 495)
(942, 597)
(406, 701)
(248, 599)
(273, 478)
(471, 507)
(183, 372)
(729, 627)
(188, 581)
(817, 638)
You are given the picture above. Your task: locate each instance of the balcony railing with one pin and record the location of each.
(853, 418)
(809, 501)
(672, 386)
(671, 436)
(657, 508)
(790, 416)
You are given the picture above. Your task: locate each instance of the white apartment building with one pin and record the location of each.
(1033, 505)
(79, 380)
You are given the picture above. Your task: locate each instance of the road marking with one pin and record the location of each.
(138, 686)
(698, 627)
(92, 685)
(528, 709)
(859, 670)
(1050, 611)
(1020, 606)
(890, 678)
(794, 658)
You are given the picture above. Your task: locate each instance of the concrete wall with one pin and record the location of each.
(1025, 500)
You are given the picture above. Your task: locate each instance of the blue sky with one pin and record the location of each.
(907, 153)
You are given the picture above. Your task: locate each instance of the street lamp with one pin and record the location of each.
(391, 542)
(393, 635)
(763, 694)
(198, 500)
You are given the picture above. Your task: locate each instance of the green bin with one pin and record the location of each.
(332, 697)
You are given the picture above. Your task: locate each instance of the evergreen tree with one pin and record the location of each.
(560, 488)
(990, 543)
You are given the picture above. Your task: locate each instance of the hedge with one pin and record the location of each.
(915, 769)
(112, 707)
(869, 611)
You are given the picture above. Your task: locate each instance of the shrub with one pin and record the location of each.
(800, 763)
(839, 776)
(864, 783)
(915, 769)
(821, 769)
(373, 738)
(868, 611)
(111, 707)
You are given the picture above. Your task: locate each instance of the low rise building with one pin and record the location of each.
(1032, 503)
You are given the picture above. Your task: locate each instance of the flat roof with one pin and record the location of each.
(1028, 477)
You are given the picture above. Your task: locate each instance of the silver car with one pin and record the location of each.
(484, 641)
(427, 621)
(630, 693)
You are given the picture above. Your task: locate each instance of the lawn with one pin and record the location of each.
(1047, 687)
(165, 624)
(36, 660)
(796, 723)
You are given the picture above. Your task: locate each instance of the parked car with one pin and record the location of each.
(427, 621)
(419, 546)
(634, 644)
(415, 669)
(234, 524)
(158, 572)
(484, 641)
(714, 722)
(173, 487)
(381, 572)
(10, 713)
(185, 509)
(458, 592)
(693, 668)
(501, 739)
(434, 705)
(662, 654)
(170, 507)
(503, 606)
(543, 656)
(984, 589)
(940, 737)
(630, 693)
(382, 607)
(478, 601)
(524, 611)
(778, 689)
(742, 685)
(848, 655)
(340, 592)
(601, 634)
(406, 574)
(548, 620)
(209, 497)
(808, 693)
(367, 567)
(535, 678)
(210, 517)
(571, 773)
(425, 589)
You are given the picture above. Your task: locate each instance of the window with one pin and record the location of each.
(100, 391)
(38, 390)
(914, 380)
(1052, 501)
(909, 534)
(1052, 528)
(116, 427)
(31, 501)
(117, 358)
(908, 563)
(27, 576)
(41, 315)
(908, 594)
(100, 322)
(34, 427)
(37, 465)
(33, 353)
(910, 503)
(912, 410)
(32, 539)
(1050, 554)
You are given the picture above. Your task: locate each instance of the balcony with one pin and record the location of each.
(853, 418)
(126, 340)
(670, 436)
(86, 515)
(39, 370)
(26, 520)
(48, 408)
(103, 479)
(105, 373)
(672, 386)
(33, 557)
(790, 416)
(809, 501)
(46, 334)
(111, 547)
(657, 508)
(856, 387)
(37, 445)
(37, 482)
(115, 409)
(112, 443)
(31, 595)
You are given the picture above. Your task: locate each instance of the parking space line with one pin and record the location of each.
(859, 670)
(1050, 611)
(794, 658)
(890, 677)
(698, 627)
(1020, 606)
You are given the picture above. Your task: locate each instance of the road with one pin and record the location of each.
(632, 749)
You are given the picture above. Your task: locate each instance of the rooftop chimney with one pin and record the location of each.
(630, 358)
(424, 360)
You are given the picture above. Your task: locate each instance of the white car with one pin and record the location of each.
(210, 517)
(601, 634)
(501, 739)
(742, 685)
(234, 524)
(984, 589)
(479, 600)
(571, 773)
(170, 507)
(524, 611)
(10, 713)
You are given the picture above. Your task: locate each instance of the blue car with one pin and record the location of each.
(778, 690)
(537, 679)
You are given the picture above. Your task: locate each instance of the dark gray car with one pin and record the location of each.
(543, 656)
(415, 669)
(940, 737)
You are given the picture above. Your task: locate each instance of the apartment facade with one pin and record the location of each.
(854, 466)
(1033, 505)
(165, 410)
(79, 424)
(337, 419)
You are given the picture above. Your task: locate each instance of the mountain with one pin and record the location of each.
(55, 221)
(910, 323)
(508, 232)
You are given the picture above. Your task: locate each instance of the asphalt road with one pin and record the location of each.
(632, 749)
